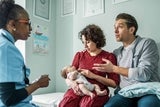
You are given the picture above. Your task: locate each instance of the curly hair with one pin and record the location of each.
(94, 33)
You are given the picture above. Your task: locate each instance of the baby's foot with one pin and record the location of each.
(92, 95)
(102, 93)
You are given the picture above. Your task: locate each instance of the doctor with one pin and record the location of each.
(15, 89)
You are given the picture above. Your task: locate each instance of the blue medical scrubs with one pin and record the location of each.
(11, 66)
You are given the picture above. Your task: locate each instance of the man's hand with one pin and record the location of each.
(107, 67)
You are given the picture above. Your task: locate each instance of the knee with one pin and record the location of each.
(145, 103)
(149, 101)
(109, 104)
(148, 104)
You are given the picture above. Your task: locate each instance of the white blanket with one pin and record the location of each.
(48, 100)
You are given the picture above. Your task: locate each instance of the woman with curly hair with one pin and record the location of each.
(93, 40)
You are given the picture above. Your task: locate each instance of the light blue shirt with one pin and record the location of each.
(11, 66)
(144, 65)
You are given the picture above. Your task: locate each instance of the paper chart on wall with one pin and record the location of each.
(93, 7)
(118, 1)
(40, 40)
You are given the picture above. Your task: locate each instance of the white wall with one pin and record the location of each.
(21, 2)
(42, 64)
(64, 44)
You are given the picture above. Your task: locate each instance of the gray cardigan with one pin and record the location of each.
(144, 66)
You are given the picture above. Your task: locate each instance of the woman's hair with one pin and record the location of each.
(9, 11)
(130, 20)
(94, 33)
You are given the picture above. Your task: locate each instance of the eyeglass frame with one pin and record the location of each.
(25, 21)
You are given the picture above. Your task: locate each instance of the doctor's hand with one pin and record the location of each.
(107, 67)
(43, 81)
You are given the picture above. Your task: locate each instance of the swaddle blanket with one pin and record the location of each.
(141, 89)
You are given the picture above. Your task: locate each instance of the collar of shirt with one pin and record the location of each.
(7, 35)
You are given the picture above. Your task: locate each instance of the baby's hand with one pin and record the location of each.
(80, 82)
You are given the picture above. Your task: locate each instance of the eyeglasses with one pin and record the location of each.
(25, 21)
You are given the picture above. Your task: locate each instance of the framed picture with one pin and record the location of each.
(40, 44)
(42, 9)
(67, 7)
(118, 1)
(93, 7)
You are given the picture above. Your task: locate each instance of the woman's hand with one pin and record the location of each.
(87, 73)
(107, 67)
(77, 90)
(74, 86)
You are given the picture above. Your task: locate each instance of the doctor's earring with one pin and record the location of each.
(14, 29)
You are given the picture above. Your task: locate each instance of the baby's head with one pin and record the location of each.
(72, 75)
(66, 70)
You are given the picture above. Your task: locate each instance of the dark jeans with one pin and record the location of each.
(145, 101)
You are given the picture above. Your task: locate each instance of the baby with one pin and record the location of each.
(70, 72)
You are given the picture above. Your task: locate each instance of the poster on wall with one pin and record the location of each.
(93, 7)
(40, 40)
(42, 9)
(118, 1)
(67, 7)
